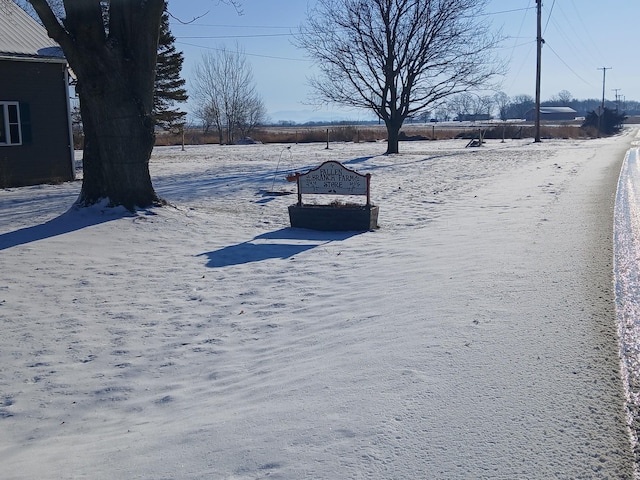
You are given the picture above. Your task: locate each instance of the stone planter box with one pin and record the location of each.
(334, 218)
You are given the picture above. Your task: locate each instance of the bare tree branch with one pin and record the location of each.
(54, 28)
(234, 3)
(183, 22)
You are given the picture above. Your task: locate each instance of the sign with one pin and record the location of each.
(332, 178)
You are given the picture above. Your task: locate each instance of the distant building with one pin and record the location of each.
(35, 123)
(473, 117)
(557, 114)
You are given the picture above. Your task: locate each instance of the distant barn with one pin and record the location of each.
(473, 117)
(35, 124)
(557, 114)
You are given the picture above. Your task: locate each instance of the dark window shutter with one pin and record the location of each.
(3, 127)
(25, 123)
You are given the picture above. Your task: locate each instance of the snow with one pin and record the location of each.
(473, 335)
(627, 281)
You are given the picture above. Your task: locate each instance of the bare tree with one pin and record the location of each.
(484, 105)
(502, 100)
(224, 90)
(442, 113)
(398, 57)
(254, 115)
(520, 105)
(469, 106)
(562, 99)
(207, 115)
(461, 105)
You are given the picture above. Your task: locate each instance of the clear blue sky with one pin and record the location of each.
(581, 36)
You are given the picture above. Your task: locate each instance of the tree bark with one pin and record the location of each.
(393, 137)
(119, 139)
(115, 69)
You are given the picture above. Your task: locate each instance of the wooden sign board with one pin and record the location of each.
(333, 178)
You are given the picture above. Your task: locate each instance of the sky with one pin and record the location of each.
(581, 38)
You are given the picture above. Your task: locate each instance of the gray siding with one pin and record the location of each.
(45, 155)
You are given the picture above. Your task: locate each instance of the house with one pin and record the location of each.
(557, 114)
(473, 117)
(35, 124)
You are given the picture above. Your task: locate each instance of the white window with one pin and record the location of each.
(10, 131)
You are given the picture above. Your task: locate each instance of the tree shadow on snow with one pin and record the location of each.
(70, 221)
(282, 244)
(355, 161)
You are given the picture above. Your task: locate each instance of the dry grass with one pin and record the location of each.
(373, 133)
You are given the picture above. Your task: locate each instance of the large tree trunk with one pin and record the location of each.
(119, 138)
(115, 68)
(393, 135)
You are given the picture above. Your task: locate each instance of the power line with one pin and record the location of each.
(237, 36)
(523, 44)
(581, 53)
(247, 54)
(525, 61)
(266, 27)
(576, 14)
(546, 44)
(514, 46)
(576, 53)
(549, 16)
(487, 14)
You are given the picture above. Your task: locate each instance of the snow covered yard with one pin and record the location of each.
(472, 336)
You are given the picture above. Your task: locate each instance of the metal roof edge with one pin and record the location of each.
(17, 58)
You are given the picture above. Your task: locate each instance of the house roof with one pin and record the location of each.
(557, 110)
(22, 36)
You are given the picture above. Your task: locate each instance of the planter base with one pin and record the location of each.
(331, 218)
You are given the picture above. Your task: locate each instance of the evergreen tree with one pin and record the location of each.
(169, 86)
(609, 123)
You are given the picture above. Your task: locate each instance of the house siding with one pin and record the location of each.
(46, 154)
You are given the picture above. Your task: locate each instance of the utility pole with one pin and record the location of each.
(601, 112)
(617, 99)
(604, 77)
(538, 69)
